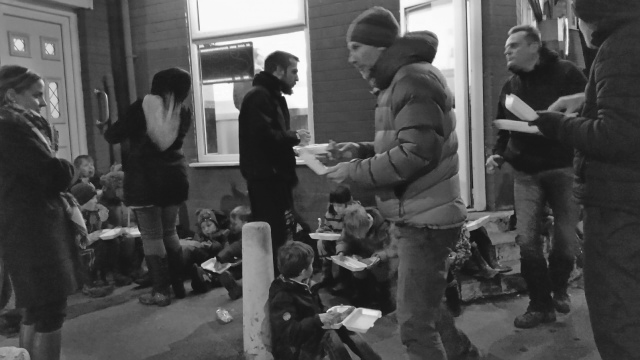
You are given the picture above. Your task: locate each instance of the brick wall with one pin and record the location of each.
(95, 55)
(498, 17)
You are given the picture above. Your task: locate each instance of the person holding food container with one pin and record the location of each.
(542, 173)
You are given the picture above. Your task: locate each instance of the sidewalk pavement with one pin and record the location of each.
(118, 327)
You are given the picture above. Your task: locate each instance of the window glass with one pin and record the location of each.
(241, 16)
(226, 78)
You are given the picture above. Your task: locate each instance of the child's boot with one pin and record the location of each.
(200, 280)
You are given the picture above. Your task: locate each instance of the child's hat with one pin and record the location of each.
(206, 214)
(83, 192)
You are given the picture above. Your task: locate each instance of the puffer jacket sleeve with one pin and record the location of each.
(613, 135)
(418, 118)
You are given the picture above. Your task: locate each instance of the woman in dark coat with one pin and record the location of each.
(36, 236)
(606, 138)
(155, 176)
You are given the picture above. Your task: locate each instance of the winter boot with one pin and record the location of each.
(160, 292)
(46, 346)
(486, 271)
(201, 282)
(176, 272)
(233, 288)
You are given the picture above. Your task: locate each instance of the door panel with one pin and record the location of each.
(38, 42)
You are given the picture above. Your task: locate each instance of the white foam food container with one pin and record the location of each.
(325, 236)
(110, 234)
(515, 125)
(361, 319)
(313, 148)
(477, 223)
(132, 232)
(519, 108)
(340, 309)
(349, 262)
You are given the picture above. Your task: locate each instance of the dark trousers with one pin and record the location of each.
(334, 341)
(532, 192)
(272, 202)
(612, 280)
(427, 328)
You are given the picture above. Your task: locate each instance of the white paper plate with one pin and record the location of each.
(325, 236)
(514, 125)
(111, 234)
(349, 262)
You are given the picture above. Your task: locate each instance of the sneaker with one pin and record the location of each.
(531, 319)
(562, 303)
(229, 283)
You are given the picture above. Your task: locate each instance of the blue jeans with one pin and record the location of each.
(158, 229)
(532, 192)
(612, 280)
(427, 329)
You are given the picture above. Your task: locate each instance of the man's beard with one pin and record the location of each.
(285, 88)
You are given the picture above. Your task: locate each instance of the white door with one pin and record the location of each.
(41, 41)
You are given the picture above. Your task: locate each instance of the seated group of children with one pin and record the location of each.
(104, 262)
(219, 239)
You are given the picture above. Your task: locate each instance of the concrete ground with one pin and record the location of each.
(118, 327)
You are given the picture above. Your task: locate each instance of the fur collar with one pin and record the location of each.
(162, 124)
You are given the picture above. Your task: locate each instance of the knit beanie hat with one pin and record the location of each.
(83, 193)
(375, 27)
(206, 214)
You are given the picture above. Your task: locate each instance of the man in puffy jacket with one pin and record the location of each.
(607, 168)
(542, 173)
(413, 166)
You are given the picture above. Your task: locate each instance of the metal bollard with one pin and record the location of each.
(257, 275)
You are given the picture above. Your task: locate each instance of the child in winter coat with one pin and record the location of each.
(298, 324)
(231, 253)
(366, 237)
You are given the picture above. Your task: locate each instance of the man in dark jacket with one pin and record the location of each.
(267, 159)
(412, 165)
(542, 173)
(607, 167)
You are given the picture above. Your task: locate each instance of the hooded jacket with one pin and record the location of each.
(266, 143)
(607, 162)
(413, 163)
(550, 79)
(296, 329)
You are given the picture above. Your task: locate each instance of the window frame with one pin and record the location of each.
(197, 38)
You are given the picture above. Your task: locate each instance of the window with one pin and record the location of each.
(229, 45)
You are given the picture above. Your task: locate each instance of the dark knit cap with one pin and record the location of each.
(594, 11)
(206, 214)
(375, 27)
(83, 193)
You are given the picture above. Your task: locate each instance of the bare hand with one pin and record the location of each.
(305, 136)
(569, 104)
(342, 151)
(493, 162)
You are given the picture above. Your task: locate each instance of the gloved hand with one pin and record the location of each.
(548, 122)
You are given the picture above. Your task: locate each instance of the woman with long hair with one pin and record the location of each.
(36, 236)
(155, 176)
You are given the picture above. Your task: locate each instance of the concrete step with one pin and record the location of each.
(472, 288)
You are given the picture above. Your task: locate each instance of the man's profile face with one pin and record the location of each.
(363, 57)
(289, 77)
(519, 52)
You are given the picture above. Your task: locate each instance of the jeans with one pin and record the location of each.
(427, 329)
(158, 229)
(532, 192)
(272, 202)
(612, 280)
